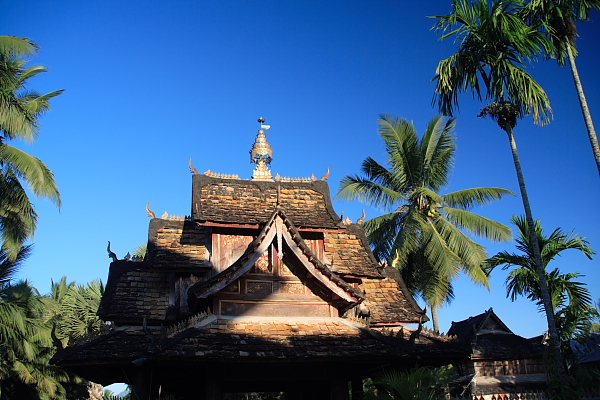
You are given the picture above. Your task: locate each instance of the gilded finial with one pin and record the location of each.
(261, 154)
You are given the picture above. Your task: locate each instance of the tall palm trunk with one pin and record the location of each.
(554, 340)
(435, 318)
(587, 117)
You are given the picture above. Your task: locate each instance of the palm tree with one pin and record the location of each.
(558, 20)
(422, 232)
(73, 311)
(494, 46)
(25, 345)
(595, 326)
(14, 327)
(20, 110)
(420, 383)
(571, 301)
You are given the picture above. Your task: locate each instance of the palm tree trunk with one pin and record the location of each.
(554, 340)
(587, 117)
(435, 319)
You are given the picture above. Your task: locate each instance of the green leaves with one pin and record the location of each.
(17, 45)
(571, 301)
(420, 383)
(494, 45)
(20, 110)
(31, 169)
(32, 325)
(424, 233)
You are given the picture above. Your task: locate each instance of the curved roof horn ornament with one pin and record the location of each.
(261, 154)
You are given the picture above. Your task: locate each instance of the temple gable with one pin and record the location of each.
(278, 274)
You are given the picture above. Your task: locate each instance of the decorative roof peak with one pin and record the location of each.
(261, 154)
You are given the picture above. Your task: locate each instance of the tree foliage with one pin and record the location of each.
(35, 326)
(420, 383)
(20, 110)
(571, 300)
(422, 232)
(557, 19)
(494, 47)
(25, 344)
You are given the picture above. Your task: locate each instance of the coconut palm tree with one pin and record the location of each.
(73, 311)
(494, 46)
(14, 325)
(571, 301)
(20, 110)
(422, 232)
(558, 20)
(25, 345)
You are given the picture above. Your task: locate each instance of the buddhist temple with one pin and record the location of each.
(262, 287)
(500, 362)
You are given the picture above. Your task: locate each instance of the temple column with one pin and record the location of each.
(357, 389)
(143, 386)
(214, 390)
(339, 389)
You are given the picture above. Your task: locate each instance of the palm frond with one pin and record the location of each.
(508, 260)
(469, 198)
(18, 219)
(494, 44)
(8, 266)
(471, 254)
(401, 143)
(368, 192)
(17, 46)
(477, 225)
(570, 299)
(408, 239)
(439, 255)
(37, 175)
(428, 253)
(437, 152)
(381, 232)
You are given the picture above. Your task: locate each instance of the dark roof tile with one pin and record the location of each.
(231, 201)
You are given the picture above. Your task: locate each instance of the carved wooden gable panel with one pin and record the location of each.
(227, 248)
(274, 286)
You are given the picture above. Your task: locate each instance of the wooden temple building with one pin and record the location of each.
(500, 362)
(262, 288)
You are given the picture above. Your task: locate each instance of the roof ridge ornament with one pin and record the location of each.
(261, 154)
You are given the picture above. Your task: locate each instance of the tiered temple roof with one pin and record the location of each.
(263, 273)
(500, 361)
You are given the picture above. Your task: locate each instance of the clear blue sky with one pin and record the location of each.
(150, 84)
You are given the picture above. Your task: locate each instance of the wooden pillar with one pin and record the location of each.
(143, 386)
(357, 389)
(214, 390)
(339, 389)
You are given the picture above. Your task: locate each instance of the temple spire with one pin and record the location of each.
(261, 154)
